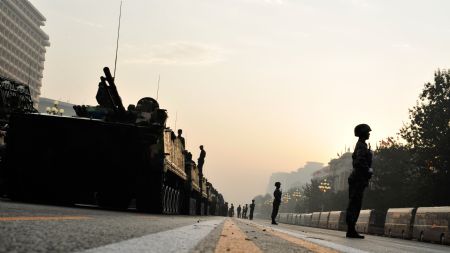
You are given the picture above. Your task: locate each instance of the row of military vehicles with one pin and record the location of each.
(106, 155)
(429, 224)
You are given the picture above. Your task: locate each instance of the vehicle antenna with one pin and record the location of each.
(157, 91)
(117, 43)
(176, 118)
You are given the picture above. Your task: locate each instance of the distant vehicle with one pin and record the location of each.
(399, 222)
(107, 155)
(432, 224)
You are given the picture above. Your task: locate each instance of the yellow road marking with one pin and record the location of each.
(233, 239)
(302, 243)
(40, 218)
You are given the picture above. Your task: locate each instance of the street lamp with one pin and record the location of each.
(296, 194)
(268, 202)
(54, 110)
(286, 197)
(324, 186)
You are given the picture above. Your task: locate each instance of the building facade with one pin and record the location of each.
(22, 44)
(340, 169)
(321, 174)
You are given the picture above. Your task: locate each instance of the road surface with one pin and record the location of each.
(44, 228)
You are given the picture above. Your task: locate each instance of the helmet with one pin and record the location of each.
(361, 129)
(277, 184)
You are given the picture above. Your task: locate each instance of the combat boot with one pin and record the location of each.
(351, 233)
(274, 222)
(354, 235)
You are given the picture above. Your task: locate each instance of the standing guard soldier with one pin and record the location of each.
(238, 209)
(183, 142)
(276, 202)
(231, 211)
(252, 209)
(201, 159)
(358, 179)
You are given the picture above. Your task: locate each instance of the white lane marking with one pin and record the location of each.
(305, 237)
(181, 239)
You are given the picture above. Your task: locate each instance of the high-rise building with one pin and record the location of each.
(22, 44)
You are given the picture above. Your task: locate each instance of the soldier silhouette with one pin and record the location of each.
(201, 158)
(252, 209)
(245, 211)
(276, 202)
(358, 179)
(180, 132)
(224, 210)
(238, 209)
(231, 211)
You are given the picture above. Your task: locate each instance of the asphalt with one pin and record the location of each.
(45, 228)
(87, 227)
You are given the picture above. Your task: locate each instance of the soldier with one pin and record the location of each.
(224, 210)
(201, 158)
(276, 202)
(180, 132)
(245, 211)
(359, 178)
(252, 209)
(231, 211)
(238, 209)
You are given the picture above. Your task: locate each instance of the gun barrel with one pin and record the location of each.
(105, 89)
(114, 93)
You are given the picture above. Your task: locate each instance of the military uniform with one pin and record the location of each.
(358, 181)
(201, 159)
(252, 208)
(276, 204)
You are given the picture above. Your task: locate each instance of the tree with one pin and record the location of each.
(428, 137)
(313, 196)
(395, 181)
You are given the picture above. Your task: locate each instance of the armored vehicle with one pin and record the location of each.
(14, 97)
(107, 155)
(193, 190)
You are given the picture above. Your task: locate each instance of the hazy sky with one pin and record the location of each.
(264, 85)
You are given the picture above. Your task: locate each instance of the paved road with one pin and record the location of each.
(40, 228)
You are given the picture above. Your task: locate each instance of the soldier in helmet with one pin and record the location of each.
(359, 178)
(252, 209)
(276, 202)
